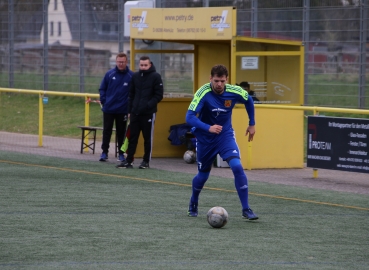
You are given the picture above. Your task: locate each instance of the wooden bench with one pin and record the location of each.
(90, 133)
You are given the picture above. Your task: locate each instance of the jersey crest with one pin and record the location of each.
(227, 103)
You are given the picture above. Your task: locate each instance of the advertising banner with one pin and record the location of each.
(338, 143)
(182, 23)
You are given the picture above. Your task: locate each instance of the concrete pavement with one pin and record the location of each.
(70, 148)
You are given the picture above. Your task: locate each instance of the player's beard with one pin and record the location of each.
(218, 91)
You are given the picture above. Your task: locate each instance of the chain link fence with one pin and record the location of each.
(68, 45)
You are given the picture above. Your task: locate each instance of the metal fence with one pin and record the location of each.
(68, 45)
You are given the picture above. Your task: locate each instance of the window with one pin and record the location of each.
(55, 4)
(106, 27)
(59, 29)
(51, 28)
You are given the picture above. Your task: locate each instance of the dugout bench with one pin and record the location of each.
(89, 133)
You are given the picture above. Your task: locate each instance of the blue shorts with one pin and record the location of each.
(224, 144)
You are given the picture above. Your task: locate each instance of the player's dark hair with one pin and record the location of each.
(219, 71)
(144, 57)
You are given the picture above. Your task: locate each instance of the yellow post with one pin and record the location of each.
(196, 69)
(315, 171)
(133, 54)
(232, 66)
(87, 118)
(302, 72)
(87, 111)
(40, 118)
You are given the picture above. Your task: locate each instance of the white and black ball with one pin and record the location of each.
(189, 157)
(217, 217)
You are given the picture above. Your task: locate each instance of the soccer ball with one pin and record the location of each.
(189, 157)
(217, 217)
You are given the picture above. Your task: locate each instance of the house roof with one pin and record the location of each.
(27, 21)
(95, 17)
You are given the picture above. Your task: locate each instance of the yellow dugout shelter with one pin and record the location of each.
(274, 69)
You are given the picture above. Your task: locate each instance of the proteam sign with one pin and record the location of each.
(338, 143)
(183, 23)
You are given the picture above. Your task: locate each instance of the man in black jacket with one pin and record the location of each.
(145, 93)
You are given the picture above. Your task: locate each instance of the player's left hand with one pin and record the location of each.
(251, 132)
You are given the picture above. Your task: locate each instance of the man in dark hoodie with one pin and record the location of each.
(114, 90)
(246, 86)
(145, 93)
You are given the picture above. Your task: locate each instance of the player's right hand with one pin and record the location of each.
(251, 132)
(215, 129)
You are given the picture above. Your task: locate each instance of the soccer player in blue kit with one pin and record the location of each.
(210, 114)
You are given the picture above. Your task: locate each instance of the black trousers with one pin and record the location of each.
(138, 123)
(120, 127)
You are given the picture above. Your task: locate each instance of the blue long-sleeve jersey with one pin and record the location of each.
(114, 90)
(215, 109)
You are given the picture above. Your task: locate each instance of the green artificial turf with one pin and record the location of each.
(70, 214)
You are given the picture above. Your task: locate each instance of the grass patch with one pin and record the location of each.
(62, 115)
(60, 213)
(340, 91)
